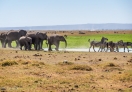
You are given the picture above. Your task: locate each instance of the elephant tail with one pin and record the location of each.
(46, 43)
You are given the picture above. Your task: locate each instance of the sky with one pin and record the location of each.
(20, 13)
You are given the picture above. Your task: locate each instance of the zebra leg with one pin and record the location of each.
(127, 49)
(117, 49)
(112, 49)
(124, 48)
(99, 49)
(94, 49)
(106, 49)
(90, 48)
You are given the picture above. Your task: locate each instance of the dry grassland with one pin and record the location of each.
(63, 71)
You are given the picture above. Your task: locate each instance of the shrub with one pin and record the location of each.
(81, 67)
(9, 63)
(38, 63)
(65, 63)
(111, 65)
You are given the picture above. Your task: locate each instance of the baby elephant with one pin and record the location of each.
(26, 42)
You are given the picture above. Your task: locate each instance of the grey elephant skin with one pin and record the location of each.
(55, 40)
(2, 38)
(14, 36)
(26, 42)
(37, 39)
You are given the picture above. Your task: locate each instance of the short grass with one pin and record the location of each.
(81, 41)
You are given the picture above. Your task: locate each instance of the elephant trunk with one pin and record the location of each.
(65, 43)
(46, 42)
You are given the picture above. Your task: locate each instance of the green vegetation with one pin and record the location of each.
(81, 41)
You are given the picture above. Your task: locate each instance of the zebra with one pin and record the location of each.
(113, 45)
(101, 44)
(125, 45)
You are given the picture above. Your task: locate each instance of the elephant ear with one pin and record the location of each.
(65, 36)
(37, 33)
(58, 37)
(22, 32)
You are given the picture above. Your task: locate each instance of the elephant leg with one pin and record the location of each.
(57, 46)
(29, 44)
(35, 46)
(49, 48)
(9, 43)
(17, 44)
(25, 47)
(5, 43)
(20, 47)
(41, 45)
(2, 42)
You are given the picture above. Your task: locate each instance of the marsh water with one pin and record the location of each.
(87, 50)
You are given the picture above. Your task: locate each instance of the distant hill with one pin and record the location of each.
(92, 27)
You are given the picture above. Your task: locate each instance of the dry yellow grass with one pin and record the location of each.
(63, 71)
(39, 71)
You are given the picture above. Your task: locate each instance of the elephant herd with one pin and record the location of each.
(27, 39)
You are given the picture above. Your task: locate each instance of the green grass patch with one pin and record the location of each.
(80, 41)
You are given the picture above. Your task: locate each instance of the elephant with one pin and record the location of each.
(2, 38)
(14, 36)
(55, 40)
(26, 42)
(37, 39)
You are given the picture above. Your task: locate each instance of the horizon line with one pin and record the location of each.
(62, 25)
